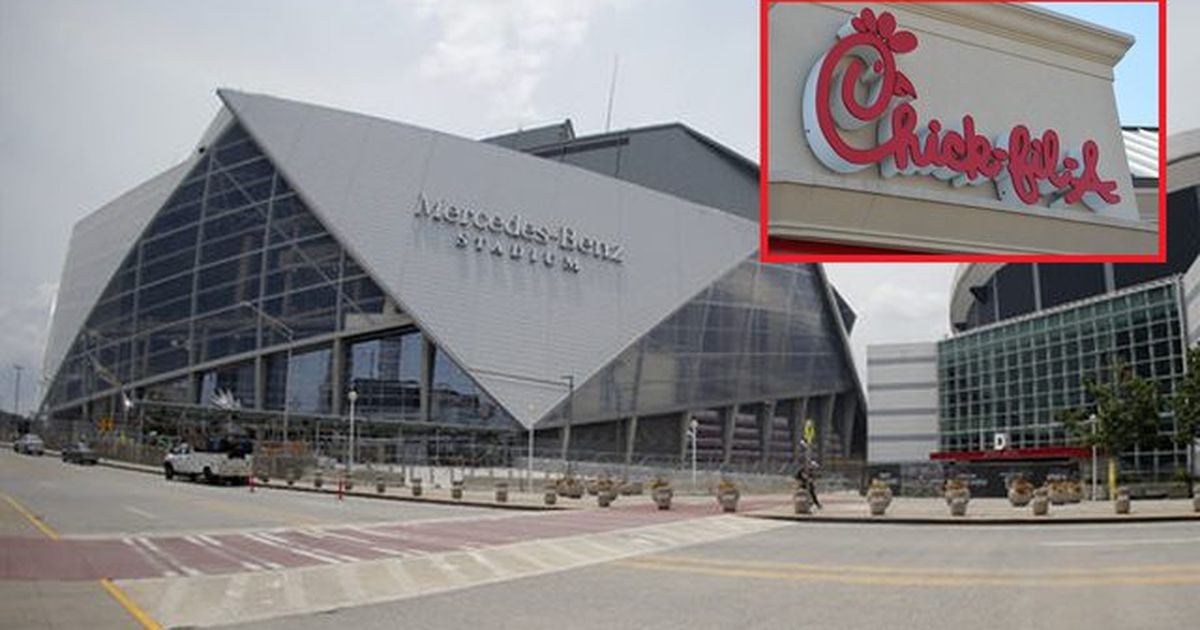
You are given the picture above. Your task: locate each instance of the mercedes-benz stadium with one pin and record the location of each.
(305, 263)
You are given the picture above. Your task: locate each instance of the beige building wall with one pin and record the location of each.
(1004, 65)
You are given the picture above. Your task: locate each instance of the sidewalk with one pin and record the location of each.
(850, 507)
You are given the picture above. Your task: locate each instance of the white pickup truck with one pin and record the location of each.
(222, 462)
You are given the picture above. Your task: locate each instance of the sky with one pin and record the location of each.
(98, 96)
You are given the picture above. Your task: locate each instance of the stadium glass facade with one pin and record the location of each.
(244, 303)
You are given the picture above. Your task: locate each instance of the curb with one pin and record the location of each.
(983, 522)
(411, 499)
(365, 495)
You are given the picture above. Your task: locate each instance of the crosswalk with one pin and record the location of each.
(331, 580)
(191, 554)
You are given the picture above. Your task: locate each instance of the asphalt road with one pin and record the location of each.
(95, 500)
(811, 575)
(843, 576)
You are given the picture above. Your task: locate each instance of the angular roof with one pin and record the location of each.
(363, 177)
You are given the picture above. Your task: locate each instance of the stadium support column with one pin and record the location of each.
(849, 409)
(427, 351)
(335, 379)
(260, 383)
(796, 426)
(631, 426)
(825, 425)
(729, 414)
(766, 430)
(684, 417)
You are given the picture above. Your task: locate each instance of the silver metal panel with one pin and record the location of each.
(99, 243)
(517, 328)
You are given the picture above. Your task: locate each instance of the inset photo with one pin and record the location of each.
(982, 131)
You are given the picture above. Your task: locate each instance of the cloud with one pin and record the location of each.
(24, 325)
(503, 47)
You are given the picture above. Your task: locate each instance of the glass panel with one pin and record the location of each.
(386, 373)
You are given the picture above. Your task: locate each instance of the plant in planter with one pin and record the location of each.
(629, 488)
(592, 486)
(801, 500)
(1020, 491)
(1074, 491)
(551, 496)
(456, 489)
(1041, 501)
(728, 494)
(1122, 503)
(660, 490)
(380, 484)
(958, 494)
(292, 476)
(501, 492)
(1060, 493)
(606, 492)
(570, 487)
(879, 497)
(318, 480)
(416, 486)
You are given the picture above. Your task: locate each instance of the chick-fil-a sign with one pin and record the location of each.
(1024, 168)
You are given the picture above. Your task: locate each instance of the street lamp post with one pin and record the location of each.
(353, 396)
(17, 390)
(287, 369)
(529, 454)
(692, 427)
(1092, 420)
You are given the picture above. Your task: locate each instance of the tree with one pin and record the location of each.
(1126, 407)
(1186, 405)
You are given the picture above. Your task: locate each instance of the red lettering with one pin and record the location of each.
(1030, 166)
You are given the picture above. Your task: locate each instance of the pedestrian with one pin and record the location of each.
(804, 477)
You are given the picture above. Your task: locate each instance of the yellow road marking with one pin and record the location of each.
(37, 522)
(129, 605)
(937, 571)
(899, 576)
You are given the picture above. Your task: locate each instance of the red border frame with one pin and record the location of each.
(1040, 452)
(775, 249)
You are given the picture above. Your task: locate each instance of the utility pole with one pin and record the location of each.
(17, 390)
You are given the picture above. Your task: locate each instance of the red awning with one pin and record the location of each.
(1046, 452)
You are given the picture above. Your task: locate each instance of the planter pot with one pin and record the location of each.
(291, 482)
(592, 488)
(604, 498)
(349, 485)
(264, 478)
(456, 491)
(662, 498)
(318, 481)
(801, 502)
(502, 493)
(380, 487)
(631, 488)
(1059, 496)
(416, 487)
(1196, 503)
(728, 501)
(879, 504)
(1122, 505)
(1019, 499)
(1041, 506)
(551, 496)
(958, 507)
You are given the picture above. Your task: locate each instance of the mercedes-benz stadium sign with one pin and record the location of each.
(514, 237)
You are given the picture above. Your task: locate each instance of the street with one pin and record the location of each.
(100, 547)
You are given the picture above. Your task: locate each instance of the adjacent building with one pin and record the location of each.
(1026, 336)
(603, 292)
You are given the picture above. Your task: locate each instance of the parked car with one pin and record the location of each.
(79, 453)
(222, 460)
(30, 444)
